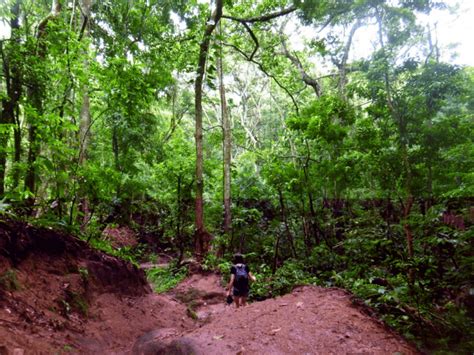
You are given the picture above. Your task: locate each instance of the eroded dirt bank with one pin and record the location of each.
(57, 296)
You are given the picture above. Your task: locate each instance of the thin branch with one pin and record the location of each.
(331, 18)
(83, 28)
(179, 118)
(212, 127)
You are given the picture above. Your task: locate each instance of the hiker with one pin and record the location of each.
(239, 281)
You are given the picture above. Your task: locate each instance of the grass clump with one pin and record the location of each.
(165, 278)
(9, 281)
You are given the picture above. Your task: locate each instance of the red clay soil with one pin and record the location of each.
(310, 320)
(57, 296)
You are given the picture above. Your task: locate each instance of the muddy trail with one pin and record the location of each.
(59, 296)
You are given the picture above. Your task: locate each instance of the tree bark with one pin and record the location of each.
(275, 254)
(227, 149)
(179, 237)
(342, 64)
(285, 222)
(13, 85)
(201, 246)
(35, 95)
(308, 80)
(85, 117)
(17, 151)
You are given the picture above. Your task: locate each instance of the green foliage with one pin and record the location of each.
(9, 281)
(287, 277)
(325, 118)
(212, 262)
(79, 302)
(130, 254)
(68, 348)
(164, 279)
(5, 209)
(84, 272)
(75, 302)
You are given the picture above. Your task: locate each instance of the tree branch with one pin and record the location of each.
(263, 18)
(249, 30)
(304, 76)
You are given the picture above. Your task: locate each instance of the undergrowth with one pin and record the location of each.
(9, 281)
(165, 278)
(130, 254)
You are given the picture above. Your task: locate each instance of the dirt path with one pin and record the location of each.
(311, 320)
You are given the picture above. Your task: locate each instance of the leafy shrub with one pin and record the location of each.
(287, 277)
(130, 254)
(164, 279)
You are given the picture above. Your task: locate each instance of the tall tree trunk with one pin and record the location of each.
(85, 116)
(275, 253)
(201, 244)
(17, 151)
(13, 85)
(226, 149)
(312, 211)
(35, 95)
(306, 224)
(4, 138)
(284, 219)
(403, 146)
(179, 237)
(34, 146)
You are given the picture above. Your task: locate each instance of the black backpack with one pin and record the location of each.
(241, 276)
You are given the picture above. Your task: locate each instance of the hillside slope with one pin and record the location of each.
(310, 320)
(57, 295)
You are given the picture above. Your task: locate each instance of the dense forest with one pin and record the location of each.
(326, 140)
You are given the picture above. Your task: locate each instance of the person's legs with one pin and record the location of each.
(243, 301)
(237, 300)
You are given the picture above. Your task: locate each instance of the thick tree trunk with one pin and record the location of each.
(35, 95)
(201, 245)
(12, 76)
